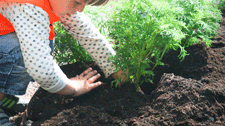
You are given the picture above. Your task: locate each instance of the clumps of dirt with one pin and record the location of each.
(176, 101)
(181, 101)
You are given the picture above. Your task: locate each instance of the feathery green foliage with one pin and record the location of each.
(67, 50)
(145, 30)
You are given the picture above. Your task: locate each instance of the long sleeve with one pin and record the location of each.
(31, 24)
(89, 37)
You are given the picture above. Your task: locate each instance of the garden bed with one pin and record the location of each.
(190, 92)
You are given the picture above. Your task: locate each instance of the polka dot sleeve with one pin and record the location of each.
(31, 24)
(91, 40)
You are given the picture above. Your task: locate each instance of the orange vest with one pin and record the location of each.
(6, 27)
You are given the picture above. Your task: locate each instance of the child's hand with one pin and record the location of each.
(82, 83)
(85, 81)
(119, 76)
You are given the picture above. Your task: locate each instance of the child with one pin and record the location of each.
(26, 44)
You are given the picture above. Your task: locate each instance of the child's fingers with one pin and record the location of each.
(90, 74)
(86, 71)
(94, 78)
(94, 85)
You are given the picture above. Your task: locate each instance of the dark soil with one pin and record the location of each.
(191, 92)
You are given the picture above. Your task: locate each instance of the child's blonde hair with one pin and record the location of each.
(97, 2)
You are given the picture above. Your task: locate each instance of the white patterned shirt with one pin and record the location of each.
(31, 25)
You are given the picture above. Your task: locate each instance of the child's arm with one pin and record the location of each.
(31, 24)
(91, 40)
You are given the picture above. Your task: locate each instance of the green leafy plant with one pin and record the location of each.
(221, 5)
(145, 30)
(202, 19)
(67, 50)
